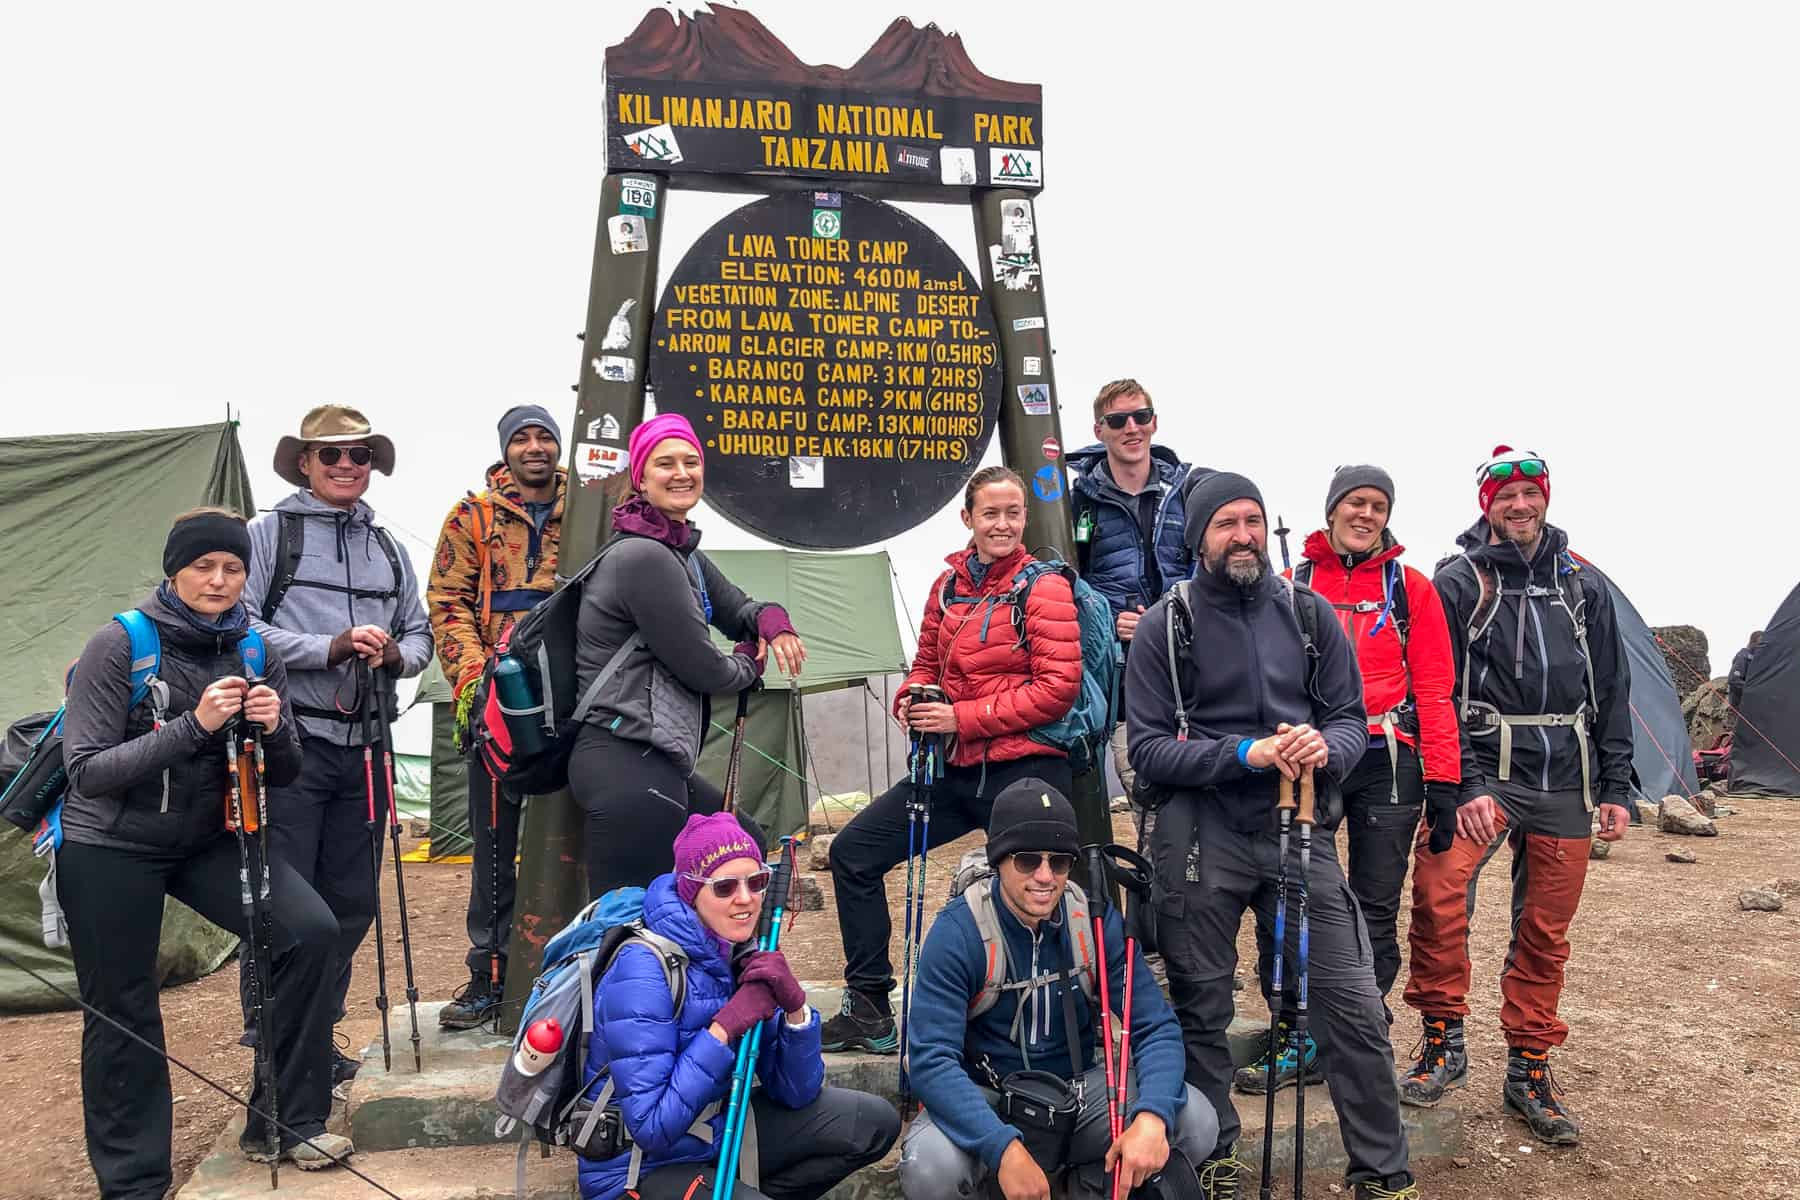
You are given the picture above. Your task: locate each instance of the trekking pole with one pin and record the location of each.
(924, 767)
(744, 1071)
(734, 762)
(365, 676)
(1305, 821)
(494, 981)
(378, 676)
(1132, 871)
(1281, 533)
(1284, 806)
(243, 821)
(1097, 889)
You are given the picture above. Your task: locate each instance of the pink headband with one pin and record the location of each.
(646, 436)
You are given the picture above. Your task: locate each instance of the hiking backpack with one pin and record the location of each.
(1398, 606)
(1089, 722)
(290, 545)
(526, 712)
(972, 880)
(544, 1107)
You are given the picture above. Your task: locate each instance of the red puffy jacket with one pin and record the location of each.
(1428, 657)
(1001, 686)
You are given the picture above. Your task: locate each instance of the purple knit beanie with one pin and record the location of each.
(705, 844)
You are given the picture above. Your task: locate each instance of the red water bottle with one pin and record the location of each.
(537, 1049)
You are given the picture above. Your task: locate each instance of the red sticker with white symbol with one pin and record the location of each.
(1052, 448)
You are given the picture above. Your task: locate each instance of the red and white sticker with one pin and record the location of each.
(1052, 448)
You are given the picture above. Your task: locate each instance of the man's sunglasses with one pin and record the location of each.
(1142, 416)
(1029, 861)
(329, 455)
(1530, 468)
(726, 886)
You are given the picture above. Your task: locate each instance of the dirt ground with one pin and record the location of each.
(1683, 1063)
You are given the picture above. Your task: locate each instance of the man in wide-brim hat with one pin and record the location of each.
(332, 591)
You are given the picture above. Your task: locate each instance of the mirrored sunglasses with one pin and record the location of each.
(1029, 861)
(1529, 468)
(329, 455)
(726, 886)
(1142, 416)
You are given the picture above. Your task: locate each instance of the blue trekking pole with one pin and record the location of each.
(923, 764)
(1284, 805)
(1305, 820)
(744, 1071)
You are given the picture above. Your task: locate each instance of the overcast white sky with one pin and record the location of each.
(1319, 233)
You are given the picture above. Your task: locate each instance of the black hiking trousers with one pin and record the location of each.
(113, 899)
(1381, 833)
(493, 881)
(802, 1152)
(874, 843)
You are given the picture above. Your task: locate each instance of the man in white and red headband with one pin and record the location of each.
(1542, 691)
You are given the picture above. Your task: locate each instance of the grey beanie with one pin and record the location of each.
(521, 415)
(1206, 494)
(1348, 479)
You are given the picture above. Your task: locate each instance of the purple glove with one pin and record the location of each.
(749, 1006)
(772, 622)
(770, 968)
(748, 650)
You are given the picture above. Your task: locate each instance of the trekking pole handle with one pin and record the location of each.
(1096, 868)
(1305, 815)
(1284, 792)
(1128, 869)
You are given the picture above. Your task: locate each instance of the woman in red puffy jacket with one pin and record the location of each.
(1008, 660)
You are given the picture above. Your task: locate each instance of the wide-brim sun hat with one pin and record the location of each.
(324, 425)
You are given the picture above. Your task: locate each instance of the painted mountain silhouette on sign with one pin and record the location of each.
(729, 45)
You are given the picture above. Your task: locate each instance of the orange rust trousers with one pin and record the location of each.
(1548, 834)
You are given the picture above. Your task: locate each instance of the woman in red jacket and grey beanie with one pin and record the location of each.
(1000, 681)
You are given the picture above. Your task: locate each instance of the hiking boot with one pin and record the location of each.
(864, 1023)
(343, 1067)
(1398, 1186)
(318, 1152)
(1532, 1094)
(472, 1007)
(1442, 1063)
(1254, 1079)
(1219, 1176)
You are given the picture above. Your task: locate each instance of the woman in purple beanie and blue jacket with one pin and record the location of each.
(670, 1068)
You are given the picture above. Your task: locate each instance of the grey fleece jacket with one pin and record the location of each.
(340, 552)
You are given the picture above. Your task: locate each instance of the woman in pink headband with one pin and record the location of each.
(642, 643)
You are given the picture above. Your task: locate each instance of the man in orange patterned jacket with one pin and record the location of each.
(496, 559)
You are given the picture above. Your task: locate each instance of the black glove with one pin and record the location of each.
(1440, 814)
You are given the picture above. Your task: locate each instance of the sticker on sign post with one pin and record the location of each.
(1047, 483)
(593, 462)
(1035, 399)
(627, 234)
(603, 426)
(1052, 448)
(1034, 365)
(827, 223)
(637, 196)
(616, 368)
(956, 166)
(618, 330)
(1021, 324)
(656, 143)
(1015, 168)
(806, 471)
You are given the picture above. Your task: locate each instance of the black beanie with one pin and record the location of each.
(1348, 479)
(1207, 494)
(202, 534)
(1031, 815)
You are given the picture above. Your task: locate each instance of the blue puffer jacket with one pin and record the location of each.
(1115, 565)
(666, 1067)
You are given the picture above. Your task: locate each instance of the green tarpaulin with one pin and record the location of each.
(86, 516)
(842, 603)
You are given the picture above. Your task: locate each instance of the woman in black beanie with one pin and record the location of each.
(144, 818)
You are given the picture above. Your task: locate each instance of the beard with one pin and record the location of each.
(533, 474)
(1524, 539)
(1239, 574)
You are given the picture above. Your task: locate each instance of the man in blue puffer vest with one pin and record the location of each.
(1128, 516)
(957, 1061)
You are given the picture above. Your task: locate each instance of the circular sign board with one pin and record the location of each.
(838, 362)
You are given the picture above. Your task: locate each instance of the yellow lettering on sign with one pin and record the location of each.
(1009, 128)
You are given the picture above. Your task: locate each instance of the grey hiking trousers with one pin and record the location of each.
(1207, 875)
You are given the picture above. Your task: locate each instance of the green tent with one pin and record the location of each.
(843, 603)
(86, 518)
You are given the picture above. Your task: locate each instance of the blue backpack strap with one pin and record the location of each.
(146, 654)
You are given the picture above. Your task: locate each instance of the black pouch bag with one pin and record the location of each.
(31, 769)
(1043, 1106)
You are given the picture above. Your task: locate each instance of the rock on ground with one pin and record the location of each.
(1787, 889)
(1678, 816)
(1707, 714)
(1759, 900)
(1681, 856)
(1599, 849)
